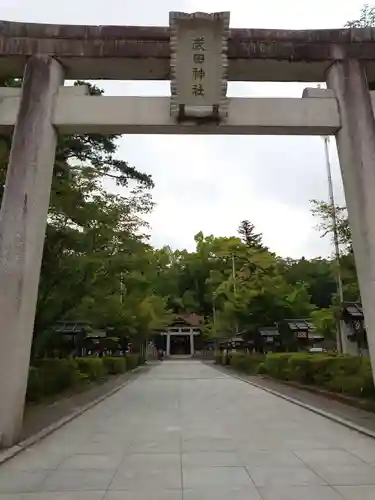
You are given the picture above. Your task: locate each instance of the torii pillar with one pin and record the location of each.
(356, 148)
(23, 219)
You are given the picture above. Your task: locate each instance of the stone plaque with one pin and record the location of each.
(199, 64)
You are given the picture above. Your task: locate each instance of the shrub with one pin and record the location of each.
(300, 368)
(347, 365)
(276, 365)
(218, 358)
(351, 375)
(93, 368)
(239, 362)
(261, 369)
(141, 359)
(227, 357)
(132, 361)
(247, 363)
(352, 386)
(51, 376)
(114, 365)
(321, 367)
(34, 385)
(368, 389)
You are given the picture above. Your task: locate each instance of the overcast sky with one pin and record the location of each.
(211, 183)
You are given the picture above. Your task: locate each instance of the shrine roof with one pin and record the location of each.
(269, 331)
(190, 319)
(299, 324)
(71, 327)
(353, 310)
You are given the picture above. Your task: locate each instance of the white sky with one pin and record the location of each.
(212, 183)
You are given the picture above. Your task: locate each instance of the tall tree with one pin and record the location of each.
(323, 211)
(325, 322)
(248, 290)
(317, 274)
(248, 235)
(95, 249)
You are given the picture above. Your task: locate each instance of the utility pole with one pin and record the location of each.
(234, 273)
(213, 309)
(121, 288)
(234, 282)
(340, 292)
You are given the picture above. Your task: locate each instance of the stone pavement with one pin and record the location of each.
(185, 431)
(38, 417)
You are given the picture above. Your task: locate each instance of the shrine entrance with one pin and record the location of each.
(180, 345)
(198, 53)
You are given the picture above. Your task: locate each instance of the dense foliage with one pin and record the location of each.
(98, 265)
(348, 375)
(50, 377)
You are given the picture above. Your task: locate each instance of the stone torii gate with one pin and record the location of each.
(45, 55)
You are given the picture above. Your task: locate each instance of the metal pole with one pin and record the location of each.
(234, 273)
(121, 288)
(335, 241)
(234, 282)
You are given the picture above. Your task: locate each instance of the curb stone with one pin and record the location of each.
(11, 452)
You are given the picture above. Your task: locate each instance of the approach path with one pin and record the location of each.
(185, 431)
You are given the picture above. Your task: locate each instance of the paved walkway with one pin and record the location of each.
(185, 431)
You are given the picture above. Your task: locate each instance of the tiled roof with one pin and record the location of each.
(353, 309)
(191, 319)
(299, 324)
(269, 331)
(71, 327)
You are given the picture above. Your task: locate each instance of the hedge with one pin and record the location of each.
(349, 375)
(276, 365)
(92, 368)
(245, 363)
(133, 360)
(52, 376)
(49, 377)
(114, 365)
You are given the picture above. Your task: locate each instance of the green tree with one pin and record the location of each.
(317, 274)
(323, 211)
(256, 295)
(366, 18)
(246, 230)
(95, 243)
(325, 322)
